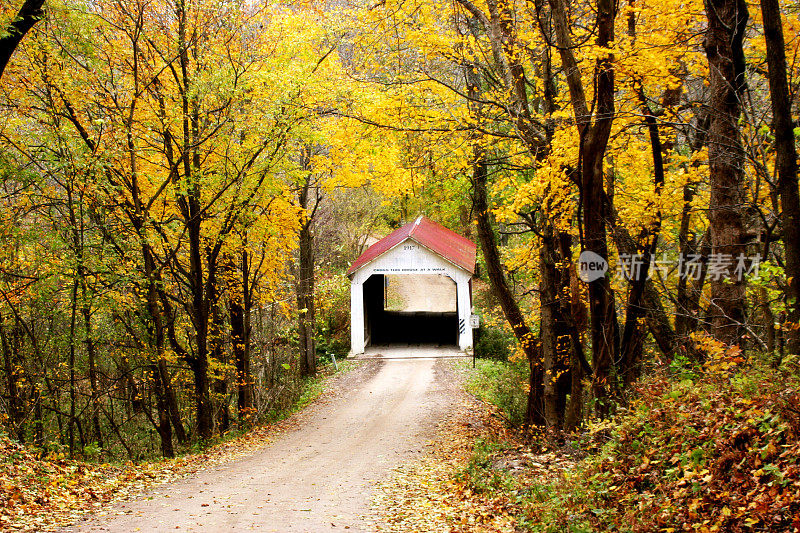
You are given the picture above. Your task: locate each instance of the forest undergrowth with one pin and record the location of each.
(697, 448)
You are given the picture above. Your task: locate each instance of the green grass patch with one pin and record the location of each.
(501, 383)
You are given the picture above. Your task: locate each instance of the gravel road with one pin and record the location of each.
(316, 478)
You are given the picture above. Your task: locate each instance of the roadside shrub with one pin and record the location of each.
(332, 340)
(494, 343)
(333, 316)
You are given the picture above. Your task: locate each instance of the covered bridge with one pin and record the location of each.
(420, 248)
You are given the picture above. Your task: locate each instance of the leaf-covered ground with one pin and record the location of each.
(473, 477)
(428, 496)
(42, 494)
(706, 453)
(694, 451)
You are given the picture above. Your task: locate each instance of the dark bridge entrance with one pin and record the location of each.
(411, 309)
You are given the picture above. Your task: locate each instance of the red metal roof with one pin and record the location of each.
(450, 245)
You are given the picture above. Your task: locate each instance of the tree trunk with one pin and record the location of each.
(38, 423)
(305, 281)
(727, 21)
(161, 374)
(656, 317)
(499, 28)
(594, 137)
(785, 163)
(574, 311)
(573, 415)
(28, 15)
(163, 425)
(633, 332)
(554, 331)
(593, 149)
(769, 321)
(91, 353)
(199, 287)
(689, 292)
(192, 212)
(13, 370)
(73, 420)
(305, 302)
(240, 337)
(223, 412)
(511, 310)
(172, 402)
(202, 398)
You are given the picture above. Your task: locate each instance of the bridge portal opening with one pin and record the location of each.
(411, 309)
